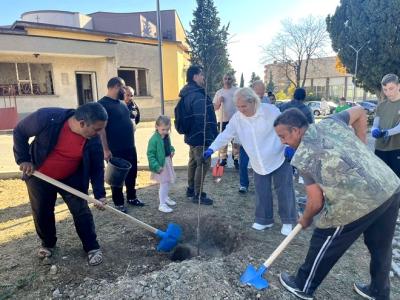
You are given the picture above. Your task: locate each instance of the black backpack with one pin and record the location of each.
(182, 118)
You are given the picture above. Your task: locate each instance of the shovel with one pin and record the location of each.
(253, 276)
(218, 170)
(168, 239)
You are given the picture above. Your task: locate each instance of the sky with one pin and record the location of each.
(253, 23)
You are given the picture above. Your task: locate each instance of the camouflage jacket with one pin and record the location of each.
(353, 179)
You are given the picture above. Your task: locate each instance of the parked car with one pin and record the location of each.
(370, 109)
(315, 107)
(372, 101)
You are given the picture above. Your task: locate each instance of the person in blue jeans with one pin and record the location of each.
(243, 171)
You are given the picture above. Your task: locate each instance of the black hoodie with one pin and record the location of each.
(196, 101)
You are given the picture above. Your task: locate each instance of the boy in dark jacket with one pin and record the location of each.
(65, 147)
(199, 137)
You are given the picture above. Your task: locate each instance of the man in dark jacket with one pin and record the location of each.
(298, 102)
(118, 141)
(65, 147)
(199, 107)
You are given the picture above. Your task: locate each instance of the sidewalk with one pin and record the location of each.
(8, 167)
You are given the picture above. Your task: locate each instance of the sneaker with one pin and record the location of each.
(236, 163)
(203, 199)
(165, 208)
(363, 290)
(257, 226)
(170, 202)
(289, 283)
(223, 162)
(135, 202)
(121, 208)
(189, 192)
(243, 190)
(286, 229)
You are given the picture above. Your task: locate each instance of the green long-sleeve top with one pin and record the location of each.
(156, 152)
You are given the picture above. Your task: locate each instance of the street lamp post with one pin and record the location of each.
(355, 71)
(159, 37)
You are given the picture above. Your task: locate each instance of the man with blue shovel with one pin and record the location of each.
(352, 190)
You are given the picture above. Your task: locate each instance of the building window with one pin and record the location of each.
(25, 79)
(136, 78)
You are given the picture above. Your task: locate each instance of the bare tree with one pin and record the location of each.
(293, 47)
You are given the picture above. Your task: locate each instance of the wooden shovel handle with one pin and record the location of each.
(283, 245)
(93, 200)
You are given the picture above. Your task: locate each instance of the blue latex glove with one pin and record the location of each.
(208, 153)
(377, 133)
(289, 153)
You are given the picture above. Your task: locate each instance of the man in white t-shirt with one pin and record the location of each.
(224, 110)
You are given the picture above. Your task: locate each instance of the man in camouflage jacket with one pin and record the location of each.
(352, 190)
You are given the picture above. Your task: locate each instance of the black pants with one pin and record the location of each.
(391, 158)
(328, 245)
(42, 196)
(130, 181)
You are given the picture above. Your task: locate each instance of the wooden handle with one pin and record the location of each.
(93, 200)
(283, 245)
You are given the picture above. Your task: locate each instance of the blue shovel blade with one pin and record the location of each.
(169, 238)
(253, 277)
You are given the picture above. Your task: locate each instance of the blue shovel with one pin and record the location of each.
(253, 276)
(168, 239)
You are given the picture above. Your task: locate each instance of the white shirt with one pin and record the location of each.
(258, 138)
(227, 107)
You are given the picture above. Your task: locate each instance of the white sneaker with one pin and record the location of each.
(165, 208)
(170, 202)
(286, 229)
(257, 226)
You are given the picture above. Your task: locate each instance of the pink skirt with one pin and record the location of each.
(167, 174)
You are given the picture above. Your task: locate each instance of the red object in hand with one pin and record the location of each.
(218, 170)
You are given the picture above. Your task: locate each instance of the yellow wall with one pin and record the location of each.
(175, 59)
(84, 36)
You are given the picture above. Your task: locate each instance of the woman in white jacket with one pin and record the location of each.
(253, 125)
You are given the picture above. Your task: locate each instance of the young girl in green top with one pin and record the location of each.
(159, 155)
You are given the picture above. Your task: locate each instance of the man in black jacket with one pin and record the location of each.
(66, 147)
(199, 107)
(298, 102)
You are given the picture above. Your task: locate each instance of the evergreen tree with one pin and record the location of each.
(253, 78)
(270, 86)
(241, 81)
(372, 23)
(208, 41)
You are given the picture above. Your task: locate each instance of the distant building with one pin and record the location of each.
(63, 59)
(323, 79)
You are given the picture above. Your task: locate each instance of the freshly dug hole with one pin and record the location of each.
(216, 240)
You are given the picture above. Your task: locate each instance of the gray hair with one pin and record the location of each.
(388, 78)
(248, 95)
(258, 82)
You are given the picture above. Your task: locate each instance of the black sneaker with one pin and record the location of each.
(236, 163)
(121, 208)
(223, 162)
(189, 192)
(203, 199)
(135, 202)
(289, 283)
(363, 290)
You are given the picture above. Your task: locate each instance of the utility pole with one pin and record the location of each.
(159, 37)
(355, 71)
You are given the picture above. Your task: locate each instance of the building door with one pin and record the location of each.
(85, 87)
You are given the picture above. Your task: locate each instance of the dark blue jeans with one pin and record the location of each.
(243, 168)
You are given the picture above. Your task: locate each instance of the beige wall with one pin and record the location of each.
(129, 55)
(64, 88)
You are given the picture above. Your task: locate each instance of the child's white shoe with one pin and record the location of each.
(170, 202)
(165, 208)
